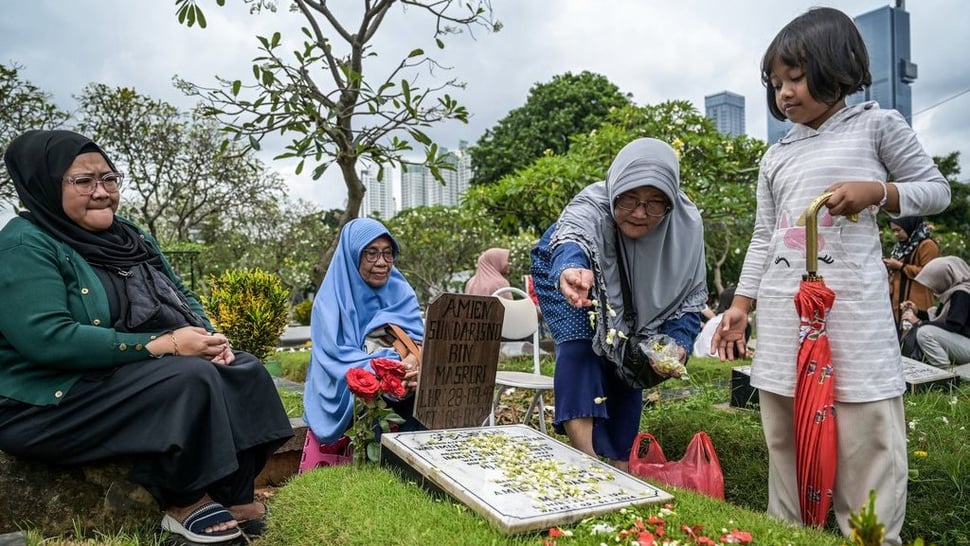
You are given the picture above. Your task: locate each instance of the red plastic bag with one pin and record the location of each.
(699, 470)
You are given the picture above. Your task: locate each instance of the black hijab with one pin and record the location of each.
(37, 161)
(147, 298)
(916, 232)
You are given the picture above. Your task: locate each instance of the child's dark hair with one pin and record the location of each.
(827, 44)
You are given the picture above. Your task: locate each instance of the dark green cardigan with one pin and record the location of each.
(55, 323)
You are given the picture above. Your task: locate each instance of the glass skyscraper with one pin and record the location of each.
(726, 110)
(886, 33)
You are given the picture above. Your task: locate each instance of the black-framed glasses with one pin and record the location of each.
(85, 184)
(372, 254)
(653, 207)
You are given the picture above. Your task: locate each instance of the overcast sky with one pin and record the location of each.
(655, 50)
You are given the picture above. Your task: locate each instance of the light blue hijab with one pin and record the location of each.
(345, 310)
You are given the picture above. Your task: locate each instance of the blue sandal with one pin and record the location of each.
(194, 525)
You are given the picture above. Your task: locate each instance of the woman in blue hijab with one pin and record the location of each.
(362, 292)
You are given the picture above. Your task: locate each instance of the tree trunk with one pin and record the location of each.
(355, 196)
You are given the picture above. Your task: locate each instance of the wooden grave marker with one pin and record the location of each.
(462, 335)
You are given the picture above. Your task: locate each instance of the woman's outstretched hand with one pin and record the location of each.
(574, 283)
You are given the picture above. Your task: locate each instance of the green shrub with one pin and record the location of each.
(251, 307)
(301, 312)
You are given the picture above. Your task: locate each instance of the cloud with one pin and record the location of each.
(663, 50)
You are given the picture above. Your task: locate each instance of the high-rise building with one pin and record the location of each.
(726, 110)
(378, 196)
(419, 187)
(886, 33)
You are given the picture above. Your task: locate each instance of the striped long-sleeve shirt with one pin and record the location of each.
(859, 143)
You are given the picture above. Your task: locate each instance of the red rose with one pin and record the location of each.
(385, 367)
(362, 383)
(392, 385)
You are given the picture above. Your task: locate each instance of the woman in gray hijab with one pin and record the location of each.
(943, 332)
(624, 261)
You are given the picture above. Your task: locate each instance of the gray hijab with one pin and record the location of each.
(665, 268)
(944, 276)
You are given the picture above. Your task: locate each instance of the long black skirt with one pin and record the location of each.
(188, 426)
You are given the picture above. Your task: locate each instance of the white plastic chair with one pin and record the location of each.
(521, 321)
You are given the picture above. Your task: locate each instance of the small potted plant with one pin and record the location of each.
(251, 307)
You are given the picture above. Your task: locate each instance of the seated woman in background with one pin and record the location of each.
(913, 250)
(105, 353)
(943, 332)
(361, 294)
(491, 274)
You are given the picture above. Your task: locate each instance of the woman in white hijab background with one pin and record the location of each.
(629, 249)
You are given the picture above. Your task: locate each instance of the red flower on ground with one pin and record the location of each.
(737, 537)
(385, 367)
(556, 532)
(691, 530)
(362, 383)
(645, 538)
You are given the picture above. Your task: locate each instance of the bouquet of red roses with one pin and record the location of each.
(370, 406)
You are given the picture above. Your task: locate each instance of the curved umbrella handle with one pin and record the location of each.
(811, 236)
(810, 220)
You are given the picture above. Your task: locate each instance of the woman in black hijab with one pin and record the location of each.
(105, 353)
(914, 249)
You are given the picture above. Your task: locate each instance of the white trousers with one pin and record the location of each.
(871, 455)
(941, 347)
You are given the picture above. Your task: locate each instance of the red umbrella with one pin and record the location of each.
(816, 437)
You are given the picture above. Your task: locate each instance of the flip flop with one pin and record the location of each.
(255, 527)
(194, 525)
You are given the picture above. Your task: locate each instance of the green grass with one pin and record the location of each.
(938, 507)
(375, 506)
(294, 363)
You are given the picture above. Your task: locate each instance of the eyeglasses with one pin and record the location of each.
(652, 207)
(85, 184)
(372, 254)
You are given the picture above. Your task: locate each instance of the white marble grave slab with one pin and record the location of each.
(920, 375)
(963, 370)
(516, 477)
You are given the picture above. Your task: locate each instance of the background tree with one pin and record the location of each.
(440, 246)
(178, 174)
(554, 111)
(950, 227)
(319, 96)
(23, 106)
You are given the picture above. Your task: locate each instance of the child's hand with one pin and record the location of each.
(729, 342)
(850, 198)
